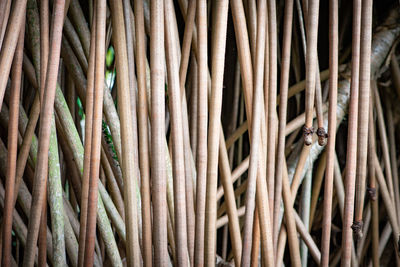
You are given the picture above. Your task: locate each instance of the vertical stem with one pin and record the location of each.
(96, 131)
(187, 39)
(255, 246)
(12, 151)
(363, 114)
(282, 180)
(305, 212)
(311, 59)
(218, 61)
(143, 134)
(351, 155)
(44, 56)
(126, 106)
(180, 231)
(330, 158)
(201, 158)
(88, 144)
(284, 85)
(158, 172)
(272, 92)
(372, 185)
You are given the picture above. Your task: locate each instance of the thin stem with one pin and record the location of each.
(363, 114)
(127, 111)
(372, 190)
(96, 132)
(143, 134)
(215, 106)
(272, 95)
(311, 59)
(175, 105)
(88, 144)
(158, 172)
(351, 154)
(201, 158)
(15, 22)
(44, 56)
(12, 150)
(284, 84)
(330, 157)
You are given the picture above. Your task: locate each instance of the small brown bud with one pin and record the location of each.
(322, 136)
(308, 133)
(357, 230)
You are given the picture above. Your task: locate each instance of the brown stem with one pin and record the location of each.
(158, 172)
(88, 145)
(143, 134)
(351, 154)
(96, 131)
(272, 95)
(201, 158)
(17, 19)
(372, 184)
(12, 150)
(284, 84)
(363, 112)
(311, 59)
(330, 158)
(127, 111)
(175, 105)
(215, 106)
